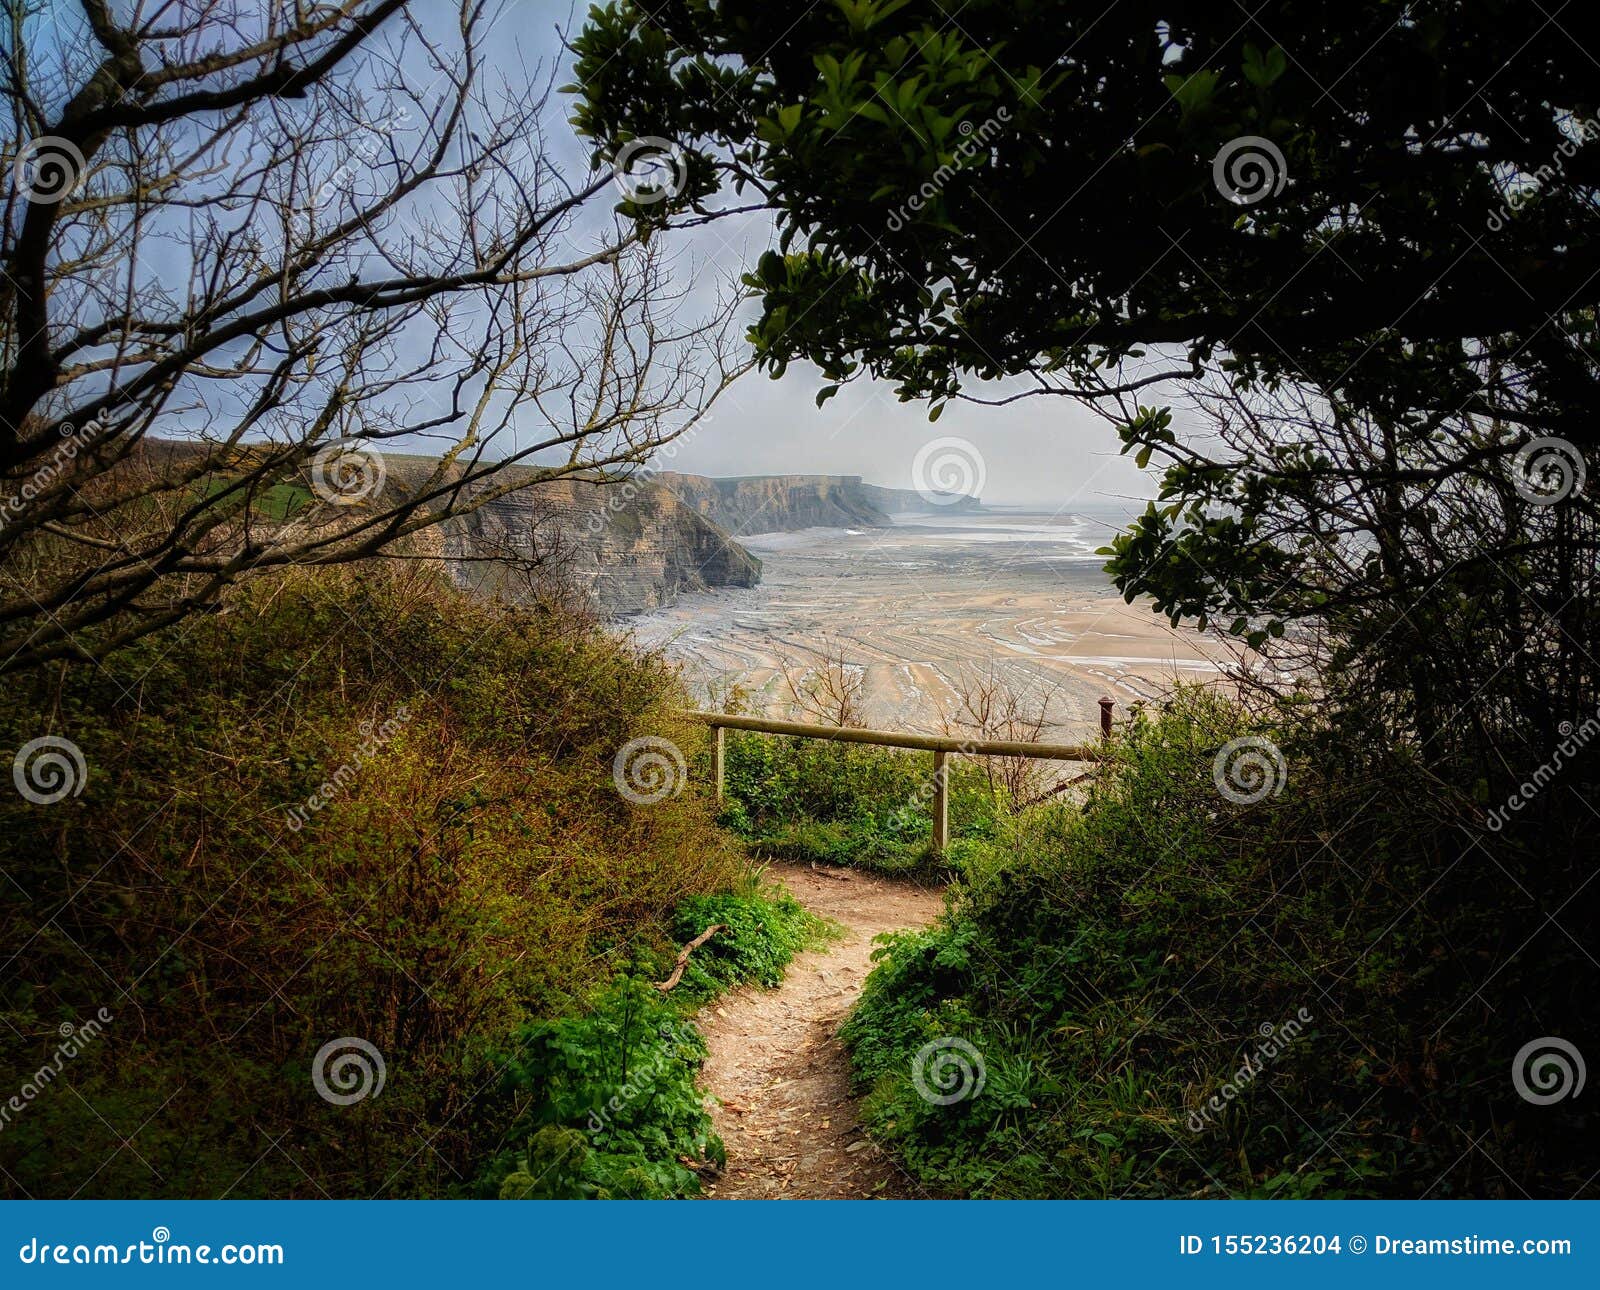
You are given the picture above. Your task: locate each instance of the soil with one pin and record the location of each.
(778, 1078)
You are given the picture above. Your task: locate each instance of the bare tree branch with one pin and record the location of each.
(249, 246)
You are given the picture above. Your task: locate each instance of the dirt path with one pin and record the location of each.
(780, 1080)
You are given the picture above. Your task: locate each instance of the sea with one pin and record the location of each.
(928, 610)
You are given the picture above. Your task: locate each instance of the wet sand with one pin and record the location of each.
(915, 606)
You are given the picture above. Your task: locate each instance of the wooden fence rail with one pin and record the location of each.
(941, 746)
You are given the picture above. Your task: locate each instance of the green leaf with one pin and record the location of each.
(1262, 70)
(1193, 93)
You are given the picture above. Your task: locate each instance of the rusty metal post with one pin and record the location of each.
(941, 803)
(718, 760)
(1106, 705)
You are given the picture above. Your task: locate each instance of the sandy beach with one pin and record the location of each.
(916, 606)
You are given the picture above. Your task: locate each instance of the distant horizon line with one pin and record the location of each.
(1043, 503)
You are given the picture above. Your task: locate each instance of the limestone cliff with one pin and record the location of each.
(773, 503)
(636, 544)
(628, 548)
(779, 503)
(908, 501)
(633, 544)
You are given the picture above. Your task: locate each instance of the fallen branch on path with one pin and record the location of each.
(683, 956)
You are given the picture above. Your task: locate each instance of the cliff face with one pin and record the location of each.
(907, 501)
(778, 503)
(627, 548)
(774, 503)
(631, 546)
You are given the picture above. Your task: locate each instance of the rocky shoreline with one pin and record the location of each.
(633, 545)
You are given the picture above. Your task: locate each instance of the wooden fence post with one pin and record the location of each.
(941, 803)
(942, 746)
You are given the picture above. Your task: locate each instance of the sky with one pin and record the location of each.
(1046, 452)
(1040, 451)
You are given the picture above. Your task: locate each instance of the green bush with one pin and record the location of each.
(469, 866)
(611, 1110)
(761, 936)
(612, 1107)
(1115, 969)
(851, 804)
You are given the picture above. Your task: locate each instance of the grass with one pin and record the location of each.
(850, 804)
(276, 503)
(609, 1108)
(363, 805)
(349, 805)
(1169, 993)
